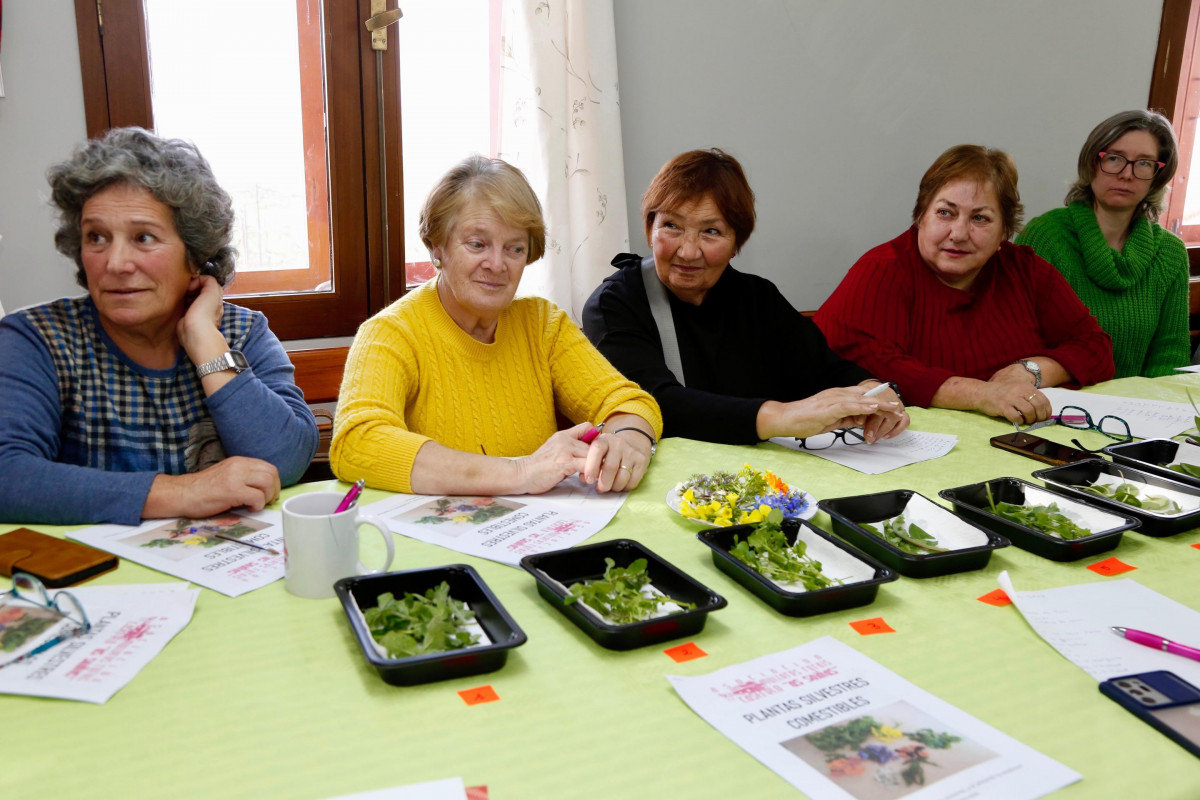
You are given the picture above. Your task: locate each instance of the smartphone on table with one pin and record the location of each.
(1039, 449)
(1163, 700)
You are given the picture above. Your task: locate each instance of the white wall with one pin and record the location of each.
(41, 121)
(836, 109)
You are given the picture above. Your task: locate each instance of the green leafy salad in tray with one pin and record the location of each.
(624, 594)
(415, 624)
(1191, 470)
(1047, 519)
(906, 537)
(1128, 494)
(767, 551)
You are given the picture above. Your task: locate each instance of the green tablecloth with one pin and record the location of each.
(268, 694)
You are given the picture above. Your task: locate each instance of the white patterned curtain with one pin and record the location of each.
(560, 123)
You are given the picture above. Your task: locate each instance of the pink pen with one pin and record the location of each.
(351, 496)
(1157, 642)
(590, 435)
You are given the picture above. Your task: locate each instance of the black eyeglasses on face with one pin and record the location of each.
(822, 441)
(1143, 168)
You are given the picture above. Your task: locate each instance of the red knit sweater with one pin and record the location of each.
(893, 317)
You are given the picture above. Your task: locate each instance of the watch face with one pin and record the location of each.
(238, 360)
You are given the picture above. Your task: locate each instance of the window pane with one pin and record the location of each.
(243, 80)
(446, 119)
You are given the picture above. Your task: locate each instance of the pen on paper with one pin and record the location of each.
(236, 540)
(590, 435)
(351, 496)
(1157, 642)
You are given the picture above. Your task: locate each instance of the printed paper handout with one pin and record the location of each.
(1077, 621)
(190, 548)
(910, 447)
(130, 626)
(838, 726)
(503, 529)
(1148, 419)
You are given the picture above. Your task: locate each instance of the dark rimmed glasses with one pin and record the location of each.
(823, 441)
(29, 589)
(1143, 168)
(1079, 418)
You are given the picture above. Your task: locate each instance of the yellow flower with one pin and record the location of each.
(195, 540)
(689, 496)
(885, 733)
(461, 518)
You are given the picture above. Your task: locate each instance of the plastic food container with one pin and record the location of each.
(861, 573)
(1153, 523)
(362, 592)
(1148, 455)
(558, 570)
(968, 546)
(1107, 527)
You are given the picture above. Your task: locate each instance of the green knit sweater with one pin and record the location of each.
(1139, 295)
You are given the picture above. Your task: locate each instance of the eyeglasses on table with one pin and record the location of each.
(823, 441)
(1080, 419)
(29, 589)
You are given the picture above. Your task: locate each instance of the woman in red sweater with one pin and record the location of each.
(957, 315)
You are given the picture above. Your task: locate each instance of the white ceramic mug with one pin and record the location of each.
(321, 547)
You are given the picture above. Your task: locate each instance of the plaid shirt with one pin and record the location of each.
(117, 415)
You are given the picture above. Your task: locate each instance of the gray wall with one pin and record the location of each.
(836, 109)
(41, 121)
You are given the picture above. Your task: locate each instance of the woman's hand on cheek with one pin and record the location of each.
(205, 306)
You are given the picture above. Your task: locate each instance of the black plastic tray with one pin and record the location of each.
(1147, 456)
(1063, 479)
(465, 584)
(557, 570)
(850, 513)
(796, 604)
(972, 502)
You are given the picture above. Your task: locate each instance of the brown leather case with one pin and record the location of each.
(55, 562)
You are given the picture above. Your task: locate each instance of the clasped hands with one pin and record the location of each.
(612, 462)
(881, 416)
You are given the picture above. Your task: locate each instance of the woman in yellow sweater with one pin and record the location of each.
(454, 388)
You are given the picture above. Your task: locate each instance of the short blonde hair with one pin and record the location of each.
(496, 183)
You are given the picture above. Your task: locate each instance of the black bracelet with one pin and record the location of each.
(653, 443)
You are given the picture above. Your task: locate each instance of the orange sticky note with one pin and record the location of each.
(480, 694)
(685, 652)
(996, 597)
(1110, 566)
(1196, 545)
(866, 627)
(477, 793)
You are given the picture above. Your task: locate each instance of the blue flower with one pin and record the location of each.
(792, 504)
(877, 753)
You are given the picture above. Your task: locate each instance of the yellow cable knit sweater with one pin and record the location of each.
(413, 375)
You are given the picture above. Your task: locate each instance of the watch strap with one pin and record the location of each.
(230, 359)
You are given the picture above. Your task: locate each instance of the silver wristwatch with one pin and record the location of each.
(230, 359)
(1035, 370)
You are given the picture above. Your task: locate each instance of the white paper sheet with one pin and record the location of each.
(186, 549)
(1077, 621)
(772, 705)
(1148, 419)
(447, 789)
(502, 529)
(130, 626)
(1189, 368)
(910, 447)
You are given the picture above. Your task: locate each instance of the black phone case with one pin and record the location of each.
(1012, 442)
(1179, 692)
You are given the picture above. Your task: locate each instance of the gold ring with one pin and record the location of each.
(1027, 399)
(624, 466)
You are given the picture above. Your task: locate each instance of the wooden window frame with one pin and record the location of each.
(116, 87)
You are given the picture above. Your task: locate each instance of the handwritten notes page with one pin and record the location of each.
(188, 548)
(1148, 419)
(910, 447)
(799, 712)
(503, 529)
(1077, 622)
(130, 626)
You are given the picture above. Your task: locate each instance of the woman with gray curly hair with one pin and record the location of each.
(1127, 269)
(149, 396)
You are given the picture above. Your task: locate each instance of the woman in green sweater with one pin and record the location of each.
(1107, 243)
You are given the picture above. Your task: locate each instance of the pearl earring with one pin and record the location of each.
(437, 263)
